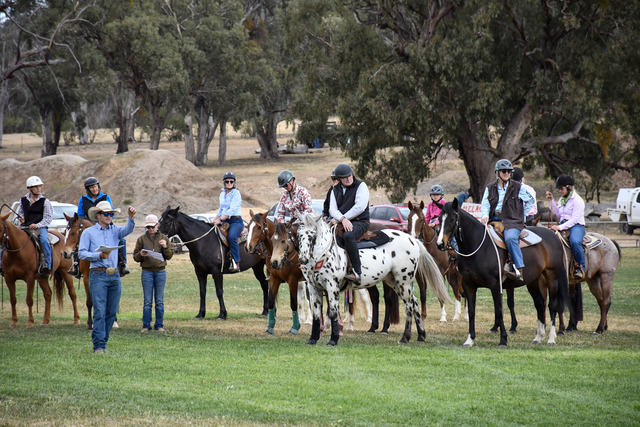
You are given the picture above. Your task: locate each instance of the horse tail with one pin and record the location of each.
(392, 304)
(577, 302)
(430, 270)
(58, 283)
(564, 299)
(619, 250)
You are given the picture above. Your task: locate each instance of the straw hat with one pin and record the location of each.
(102, 207)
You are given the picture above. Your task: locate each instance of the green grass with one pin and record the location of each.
(230, 372)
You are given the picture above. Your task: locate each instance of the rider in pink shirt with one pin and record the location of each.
(433, 209)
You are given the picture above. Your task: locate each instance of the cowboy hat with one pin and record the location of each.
(102, 207)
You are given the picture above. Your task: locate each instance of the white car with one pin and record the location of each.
(59, 222)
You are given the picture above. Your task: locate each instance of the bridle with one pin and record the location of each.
(5, 240)
(261, 247)
(457, 232)
(290, 244)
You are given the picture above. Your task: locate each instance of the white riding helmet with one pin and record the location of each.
(33, 181)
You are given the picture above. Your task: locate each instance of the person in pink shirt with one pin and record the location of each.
(570, 213)
(434, 208)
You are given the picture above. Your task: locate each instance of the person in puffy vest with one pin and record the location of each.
(506, 200)
(35, 213)
(350, 206)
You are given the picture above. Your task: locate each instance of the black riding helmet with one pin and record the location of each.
(92, 180)
(230, 175)
(517, 174)
(564, 181)
(343, 170)
(284, 177)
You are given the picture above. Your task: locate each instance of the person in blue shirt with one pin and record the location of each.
(104, 278)
(92, 198)
(229, 212)
(463, 196)
(507, 201)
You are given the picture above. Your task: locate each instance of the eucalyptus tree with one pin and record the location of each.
(489, 78)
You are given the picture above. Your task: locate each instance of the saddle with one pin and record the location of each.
(53, 240)
(369, 239)
(222, 231)
(588, 243)
(527, 237)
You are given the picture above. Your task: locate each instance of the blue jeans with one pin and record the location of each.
(511, 239)
(235, 228)
(575, 240)
(105, 294)
(153, 285)
(46, 247)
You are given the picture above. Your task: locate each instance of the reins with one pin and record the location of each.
(198, 238)
(5, 239)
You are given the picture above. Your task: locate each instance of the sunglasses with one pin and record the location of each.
(506, 171)
(150, 227)
(109, 214)
(229, 181)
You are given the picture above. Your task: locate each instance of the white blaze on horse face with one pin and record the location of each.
(443, 221)
(249, 234)
(413, 225)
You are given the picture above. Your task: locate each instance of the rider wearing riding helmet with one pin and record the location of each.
(229, 212)
(87, 201)
(570, 213)
(295, 198)
(350, 206)
(507, 201)
(36, 213)
(434, 208)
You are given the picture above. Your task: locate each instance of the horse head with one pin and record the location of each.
(416, 220)
(312, 227)
(283, 243)
(72, 235)
(168, 221)
(449, 223)
(260, 230)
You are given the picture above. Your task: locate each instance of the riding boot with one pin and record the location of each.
(43, 269)
(578, 272)
(74, 270)
(233, 266)
(353, 277)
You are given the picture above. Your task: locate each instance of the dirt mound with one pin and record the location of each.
(147, 179)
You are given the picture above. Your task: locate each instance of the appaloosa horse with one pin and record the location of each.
(480, 263)
(324, 264)
(206, 254)
(419, 228)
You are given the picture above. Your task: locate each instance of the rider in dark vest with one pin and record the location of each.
(503, 201)
(349, 205)
(35, 212)
(91, 199)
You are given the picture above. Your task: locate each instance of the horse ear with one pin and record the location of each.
(251, 213)
(4, 217)
(421, 204)
(67, 217)
(410, 205)
(454, 204)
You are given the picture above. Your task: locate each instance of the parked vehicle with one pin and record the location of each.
(59, 222)
(316, 204)
(392, 216)
(627, 209)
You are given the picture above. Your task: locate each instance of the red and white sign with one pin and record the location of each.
(473, 208)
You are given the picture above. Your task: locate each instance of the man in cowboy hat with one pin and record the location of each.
(104, 278)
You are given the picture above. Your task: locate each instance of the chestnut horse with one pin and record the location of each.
(20, 261)
(418, 228)
(75, 227)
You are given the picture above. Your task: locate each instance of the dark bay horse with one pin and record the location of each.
(206, 255)
(20, 262)
(419, 228)
(262, 233)
(480, 263)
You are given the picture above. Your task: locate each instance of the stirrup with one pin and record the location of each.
(44, 270)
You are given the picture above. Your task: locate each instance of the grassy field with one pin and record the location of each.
(209, 372)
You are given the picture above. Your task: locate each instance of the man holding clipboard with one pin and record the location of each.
(98, 245)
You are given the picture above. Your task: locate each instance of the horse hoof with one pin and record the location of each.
(115, 325)
(421, 339)
(403, 341)
(493, 331)
(502, 346)
(293, 331)
(384, 333)
(269, 331)
(371, 331)
(535, 342)
(560, 333)
(332, 343)
(512, 331)
(221, 317)
(598, 333)
(312, 342)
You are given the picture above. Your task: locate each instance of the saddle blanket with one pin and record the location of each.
(527, 238)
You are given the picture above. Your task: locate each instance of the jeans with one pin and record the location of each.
(235, 228)
(105, 294)
(511, 239)
(46, 247)
(153, 285)
(575, 240)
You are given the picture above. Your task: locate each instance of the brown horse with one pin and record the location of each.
(20, 261)
(75, 227)
(262, 233)
(418, 227)
(601, 264)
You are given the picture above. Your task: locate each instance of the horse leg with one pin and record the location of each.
(71, 289)
(258, 272)
(602, 293)
(315, 298)
(497, 307)
(202, 282)
(333, 295)
(11, 285)
(452, 278)
(391, 307)
(422, 285)
(217, 279)
(293, 298)
(46, 293)
(374, 293)
(575, 296)
(349, 296)
(364, 296)
(539, 303)
(29, 300)
(274, 286)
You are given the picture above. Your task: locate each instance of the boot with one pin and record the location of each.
(74, 270)
(353, 277)
(233, 266)
(578, 272)
(44, 269)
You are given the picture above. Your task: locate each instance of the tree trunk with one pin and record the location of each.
(80, 124)
(222, 149)
(48, 149)
(189, 148)
(478, 160)
(123, 100)
(206, 129)
(267, 137)
(4, 101)
(158, 122)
